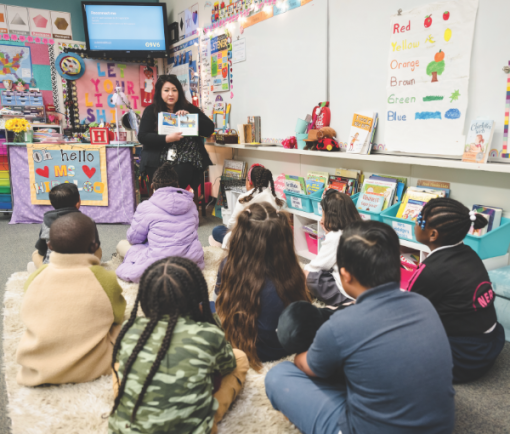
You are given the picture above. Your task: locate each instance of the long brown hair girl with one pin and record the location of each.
(261, 247)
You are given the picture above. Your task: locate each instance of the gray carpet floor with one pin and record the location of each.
(482, 407)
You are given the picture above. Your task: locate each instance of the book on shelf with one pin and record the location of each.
(478, 141)
(413, 209)
(318, 176)
(352, 183)
(361, 132)
(171, 123)
(493, 215)
(295, 184)
(371, 142)
(418, 197)
(256, 129)
(234, 169)
(313, 186)
(244, 132)
(434, 184)
(372, 202)
(386, 188)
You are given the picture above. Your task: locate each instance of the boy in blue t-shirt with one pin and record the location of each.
(390, 348)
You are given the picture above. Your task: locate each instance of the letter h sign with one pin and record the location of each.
(99, 136)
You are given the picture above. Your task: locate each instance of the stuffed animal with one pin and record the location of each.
(326, 141)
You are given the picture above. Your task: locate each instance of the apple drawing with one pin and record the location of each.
(446, 15)
(428, 21)
(225, 72)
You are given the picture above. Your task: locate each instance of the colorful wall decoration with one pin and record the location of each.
(183, 62)
(96, 87)
(148, 78)
(428, 76)
(84, 165)
(220, 67)
(15, 63)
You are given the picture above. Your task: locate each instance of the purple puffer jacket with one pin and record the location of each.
(165, 225)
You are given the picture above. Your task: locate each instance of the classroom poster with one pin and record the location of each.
(17, 20)
(97, 86)
(148, 78)
(15, 63)
(40, 22)
(61, 25)
(183, 63)
(3, 19)
(219, 64)
(191, 21)
(83, 165)
(205, 73)
(428, 77)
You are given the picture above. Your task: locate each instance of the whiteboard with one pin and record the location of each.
(285, 72)
(359, 38)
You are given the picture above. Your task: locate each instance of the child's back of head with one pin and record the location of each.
(73, 233)
(172, 286)
(338, 210)
(259, 178)
(65, 195)
(261, 247)
(165, 176)
(370, 251)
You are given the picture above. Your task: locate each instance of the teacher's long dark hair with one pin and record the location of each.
(160, 105)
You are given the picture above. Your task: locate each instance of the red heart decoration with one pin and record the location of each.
(43, 172)
(89, 171)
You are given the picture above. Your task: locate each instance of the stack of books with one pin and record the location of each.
(362, 132)
(234, 169)
(415, 199)
(256, 128)
(493, 216)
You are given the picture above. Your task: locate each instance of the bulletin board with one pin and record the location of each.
(359, 64)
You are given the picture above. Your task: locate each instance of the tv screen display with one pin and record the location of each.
(125, 27)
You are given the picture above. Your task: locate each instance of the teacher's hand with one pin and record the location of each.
(173, 137)
(182, 113)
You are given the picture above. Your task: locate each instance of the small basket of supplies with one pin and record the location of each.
(228, 138)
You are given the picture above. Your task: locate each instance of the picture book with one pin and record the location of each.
(493, 215)
(234, 169)
(352, 184)
(416, 195)
(256, 131)
(443, 192)
(339, 186)
(295, 184)
(383, 187)
(171, 123)
(313, 186)
(413, 209)
(318, 176)
(361, 129)
(372, 202)
(478, 141)
(349, 173)
(368, 147)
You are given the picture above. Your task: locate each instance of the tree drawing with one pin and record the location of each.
(436, 67)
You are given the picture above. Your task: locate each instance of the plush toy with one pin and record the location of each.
(321, 116)
(311, 141)
(326, 141)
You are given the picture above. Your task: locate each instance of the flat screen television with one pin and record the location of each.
(126, 29)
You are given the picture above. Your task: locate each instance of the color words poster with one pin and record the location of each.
(83, 165)
(428, 76)
(219, 64)
(96, 87)
(148, 77)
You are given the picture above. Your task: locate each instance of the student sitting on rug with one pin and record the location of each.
(322, 278)
(382, 365)
(259, 188)
(65, 198)
(170, 358)
(259, 278)
(165, 225)
(454, 279)
(72, 310)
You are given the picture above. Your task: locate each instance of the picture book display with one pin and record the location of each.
(386, 188)
(295, 184)
(478, 141)
(427, 79)
(372, 202)
(171, 123)
(362, 127)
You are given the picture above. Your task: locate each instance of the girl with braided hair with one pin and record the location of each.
(259, 188)
(259, 278)
(165, 361)
(454, 279)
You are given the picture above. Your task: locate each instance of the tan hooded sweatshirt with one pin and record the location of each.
(73, 310)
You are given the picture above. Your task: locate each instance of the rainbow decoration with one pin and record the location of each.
(504, 152)
(494, 153)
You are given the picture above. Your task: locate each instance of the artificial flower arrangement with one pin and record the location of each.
(18, 126)
(290, 143)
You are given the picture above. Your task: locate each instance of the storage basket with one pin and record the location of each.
(231, 138)
(316, 203)
(312, 243)
(302, 202)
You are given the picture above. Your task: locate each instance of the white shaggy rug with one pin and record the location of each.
(80, 408)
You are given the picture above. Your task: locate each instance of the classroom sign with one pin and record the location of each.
(428, 77)
(83, 165)
(96, 87)
(219, 64)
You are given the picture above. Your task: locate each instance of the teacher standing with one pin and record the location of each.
(188, 154)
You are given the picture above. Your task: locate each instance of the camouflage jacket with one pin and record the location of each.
(180, 398)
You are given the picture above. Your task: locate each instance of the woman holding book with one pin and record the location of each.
(187, 153)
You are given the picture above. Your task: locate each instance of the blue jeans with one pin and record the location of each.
(219, 232)
(314, 405)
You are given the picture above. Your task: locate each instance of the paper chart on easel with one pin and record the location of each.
(428, 77)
